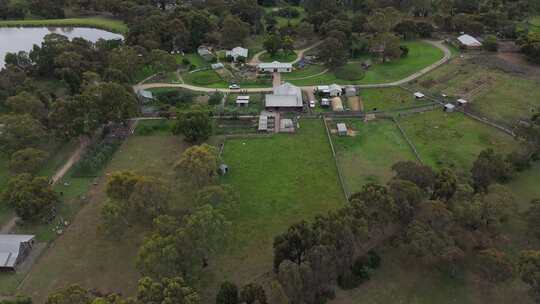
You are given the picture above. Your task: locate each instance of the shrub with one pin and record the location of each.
(490, 43)
(186, 62)
(176, 97)
(95, 158)
(350, 72)
(404, 50)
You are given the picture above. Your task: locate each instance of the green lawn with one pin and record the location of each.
(360, 156)
(112, 25)
(452, 139)
(204, 78)
(279, 56)
(384, 99)
(193, 59)
(310, 70)
(525, 187)
(283, 21)
(280, 180)
(421, 55)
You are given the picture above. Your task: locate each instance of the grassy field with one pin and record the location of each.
(385, 99)
(421, 55)
(283, 21)
(112, 25)
(452, 139)
(94, 261)
(279, 56)
(203, 78)
(280, 180)
(499, 96)
(360, 156)
(524, 185)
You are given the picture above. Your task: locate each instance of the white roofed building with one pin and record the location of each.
(13, 249)
(237, 52)
(275, 67)
(285, 96)
(468, 41)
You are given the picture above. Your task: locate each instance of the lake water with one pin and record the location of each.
(13, 39)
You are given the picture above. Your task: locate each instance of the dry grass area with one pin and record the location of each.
(84, 256)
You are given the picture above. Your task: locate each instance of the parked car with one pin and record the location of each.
(234, 86)
(312, 103)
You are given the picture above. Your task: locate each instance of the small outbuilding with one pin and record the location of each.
(242, 101)
(14, 248)
(462, 102)
(223, 169)
(449, 107)
(217, 66)
(342, 129)
(335, 90)
(350, 91)
(205, 53)
(145, 96)
(337, 104)
(419, 95)
(469, 42)
(325, 102)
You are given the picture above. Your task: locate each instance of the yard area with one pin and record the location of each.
(279, 56)
(94, 261)
(421, 54)
(280, 180)
(453, 139)
(500, 96)
(385, 99)
(361, 158)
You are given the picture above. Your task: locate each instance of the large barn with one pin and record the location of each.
(13, 249)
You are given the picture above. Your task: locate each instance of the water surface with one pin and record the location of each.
(15, 39)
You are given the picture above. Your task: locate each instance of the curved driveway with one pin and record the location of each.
(438, 44)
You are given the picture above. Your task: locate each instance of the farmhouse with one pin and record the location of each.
(285, 96)
(237, 53)
(13, 249)
(468, 42)
(273, 67)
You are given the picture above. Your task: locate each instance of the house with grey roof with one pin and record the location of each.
(13, 249)
(205, 53)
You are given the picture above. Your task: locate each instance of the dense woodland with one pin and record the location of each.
(65, 89)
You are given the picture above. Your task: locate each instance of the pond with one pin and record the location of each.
(15, 39)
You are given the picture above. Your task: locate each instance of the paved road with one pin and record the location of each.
(438, 44)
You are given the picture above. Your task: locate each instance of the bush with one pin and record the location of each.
(215, 98)
(186, 62)
(350, 72)
(490, 43)
(404, 50)
(148, 129)
(95, 158)
(176, 97)
(287, 12)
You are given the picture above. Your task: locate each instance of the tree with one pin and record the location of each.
(529, 268)
(489, 168)
(20, 132)
(445, 185)
(494, 266)
(227, 294)
(112, 102)
(27, 161)
(490, 43)
(335, 55)
(384, 20)
(531, 47)
(166, 290)
(125, 59)
(293, 244)
(162, 61)
(222, 197)
(407, 197)
(29, 196)
(272, 44)
(253, 292)
(234, 31)
(533, 218)
(288, 44)
(195, 124)
(26, 103)
(74, 294)
(199, 164)
(120, 185)
(421, 175)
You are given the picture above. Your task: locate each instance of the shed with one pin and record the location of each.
(462, 102)
(223, 169)
(263, 123)
(342, 129)
(13, 249)
(419, 95)
(144, 95)
(205, 53)
(449, 107)
(217, 66)
(237, 53)
(469, 42)
(337, 104)
(325, 102)
(242, 101)
(350, 91)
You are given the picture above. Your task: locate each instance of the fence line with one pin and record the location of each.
(340, 174)
(411, 144)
